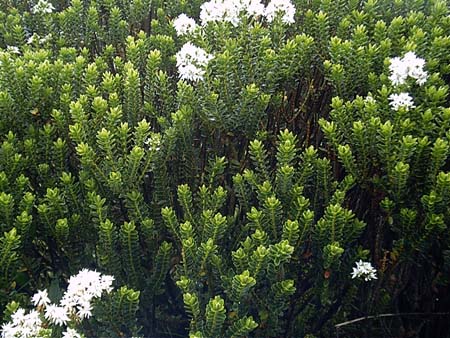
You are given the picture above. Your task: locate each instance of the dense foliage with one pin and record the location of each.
(229, 167)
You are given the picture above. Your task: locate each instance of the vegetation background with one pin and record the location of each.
(236, 205)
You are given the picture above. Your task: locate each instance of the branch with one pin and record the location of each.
(337, 326)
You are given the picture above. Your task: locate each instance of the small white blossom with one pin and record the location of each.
(45, 38)
(369, 99)
(36, 38)
(22, 325)
(31, 39)
(284, 7)
(71, 333)
(18, 316)
(401, 100)
(43, 7)
(9, 330)
(106, 283)
(256, 8)
(13, 49)
(41, 298)
(364, 270)
(85, 310)
(398, 71)
(408, 66)
(56, 314)
(184, 25)
(192, 61)
(415, 67)
(68, 303)
(250, 7)
(153, 142)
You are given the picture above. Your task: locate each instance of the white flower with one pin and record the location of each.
(85, 310)
(13, 49)
(191, 72)
(410, 65)
(106, 283)
(249, 7)
(36, 38)
(369, 99)
(33, 318)
(284, 7)
(415, 66)
(45, 38)
(401, 100)
(86, 282)
(364, 270)
(68, 302)
(184, 25)
(9, 330)
(56, 314)
(229, 10)
(219, 10)
(82, 289)
(22, 325)
(71, 333)
(31, 39)
(18, 316)
(192, 61)
(254, 8)
(398, 71)
(153, 142)
(41, 298)
(43, 7)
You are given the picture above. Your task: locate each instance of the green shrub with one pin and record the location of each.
(236, 203)
(287, 232)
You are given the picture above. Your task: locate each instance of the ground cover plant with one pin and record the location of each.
(236, 168)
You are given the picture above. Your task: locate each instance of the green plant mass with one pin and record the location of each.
(224, 168)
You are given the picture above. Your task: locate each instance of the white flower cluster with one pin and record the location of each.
(364, 270)
(408, 66)
(42, 7)
(23, 325)
(251, 7)
(83, 288)
(401, 100)
(13, 49)
(56, 314)
(231, 10)
(76, 303)
(192, 61)
(153, 142)
(219, 10)
(184, 25)
(71, 333)
(284, 7)
(36, 38)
